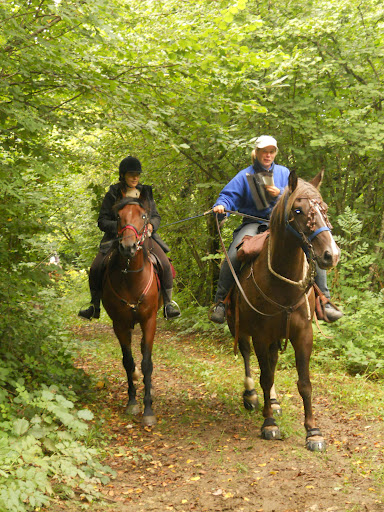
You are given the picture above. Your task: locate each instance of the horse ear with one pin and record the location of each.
(317, 180)
(292, 181)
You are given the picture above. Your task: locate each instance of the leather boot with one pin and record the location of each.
(92, 311)
(171, 309)
(332, 313)
(218, 314)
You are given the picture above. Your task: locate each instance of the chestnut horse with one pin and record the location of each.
(277, 300)
(131, 295)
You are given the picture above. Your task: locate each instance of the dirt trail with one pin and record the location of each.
(207, 455)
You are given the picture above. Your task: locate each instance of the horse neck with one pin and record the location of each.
(134, 269)
(287, 256)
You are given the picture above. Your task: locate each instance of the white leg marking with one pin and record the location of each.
(249, 383)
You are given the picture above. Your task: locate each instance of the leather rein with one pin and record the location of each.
(305, 284)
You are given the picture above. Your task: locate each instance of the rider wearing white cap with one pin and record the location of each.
(254, 191)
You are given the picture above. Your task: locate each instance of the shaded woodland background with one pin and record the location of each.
(185, 87)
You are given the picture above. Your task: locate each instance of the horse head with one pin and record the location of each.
(132, 226)
(306, 218)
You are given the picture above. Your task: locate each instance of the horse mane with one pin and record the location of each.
(128, 200)
(285, 203)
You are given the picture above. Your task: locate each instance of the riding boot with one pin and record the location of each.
(218, 314)
(331, 313)
(92, 311)
(171, 309)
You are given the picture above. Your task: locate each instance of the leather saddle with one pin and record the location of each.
(250, 246)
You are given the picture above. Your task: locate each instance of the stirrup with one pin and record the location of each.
(176, 312)
(91, 312)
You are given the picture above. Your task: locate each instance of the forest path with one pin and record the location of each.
(206, 454)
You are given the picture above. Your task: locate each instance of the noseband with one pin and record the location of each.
(139, 238)
(306, 245)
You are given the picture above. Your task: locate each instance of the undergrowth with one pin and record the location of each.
(45, 443)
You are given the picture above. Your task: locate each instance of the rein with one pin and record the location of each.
(135, 305)
(304, 284)
(235, 276)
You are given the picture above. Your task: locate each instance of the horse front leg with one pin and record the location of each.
(250, 399)
(148, 328)
(267, 363)
(303, 349)
(124, 336)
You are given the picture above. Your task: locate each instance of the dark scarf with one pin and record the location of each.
(259, 168)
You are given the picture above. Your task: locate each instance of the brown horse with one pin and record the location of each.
(131, 295)
(277, 301)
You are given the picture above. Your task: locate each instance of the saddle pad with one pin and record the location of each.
(250, 247)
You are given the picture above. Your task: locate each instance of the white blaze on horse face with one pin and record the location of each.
(333, 248)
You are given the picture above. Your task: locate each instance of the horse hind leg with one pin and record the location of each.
(275, 404)
(250, 399)
(276, 407)
(130, 368)
(149, 328)
(269, 430)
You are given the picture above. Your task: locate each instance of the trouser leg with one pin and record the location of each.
(95, 276)
(226, 279)
(331, 314)
(171, 310)
(95, 287)
(321, 281)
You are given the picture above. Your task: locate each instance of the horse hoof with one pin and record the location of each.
(132, 410)
(316, 444)
(277, 410)
(250, 401)
(149, 421)
(270, 433)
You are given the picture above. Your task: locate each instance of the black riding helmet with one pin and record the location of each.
(129, 164)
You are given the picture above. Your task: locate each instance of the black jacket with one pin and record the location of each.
(107, 220)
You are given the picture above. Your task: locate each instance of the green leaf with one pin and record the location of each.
(20, 426)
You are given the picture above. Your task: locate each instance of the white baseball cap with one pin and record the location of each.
(265, 140)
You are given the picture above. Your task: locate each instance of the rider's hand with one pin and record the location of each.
(150, 229)
(272, 190)
(219, 208)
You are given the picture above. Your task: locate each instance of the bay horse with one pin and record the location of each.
(131, 295)
(277, 299)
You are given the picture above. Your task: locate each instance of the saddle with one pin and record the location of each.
(158, 267)
(250, 246)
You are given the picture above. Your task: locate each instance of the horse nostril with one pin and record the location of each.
(328, 257)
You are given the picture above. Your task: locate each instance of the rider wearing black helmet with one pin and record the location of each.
(129, 186)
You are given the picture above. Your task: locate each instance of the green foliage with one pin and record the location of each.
(356, 256)
(358, 348)
(44, 448)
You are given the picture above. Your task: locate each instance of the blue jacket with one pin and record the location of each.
(236, 195)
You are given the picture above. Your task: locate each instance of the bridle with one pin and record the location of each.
(315, 204)
(139, 237)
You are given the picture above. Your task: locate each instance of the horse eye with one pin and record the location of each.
(298, 211)
(144, 216)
